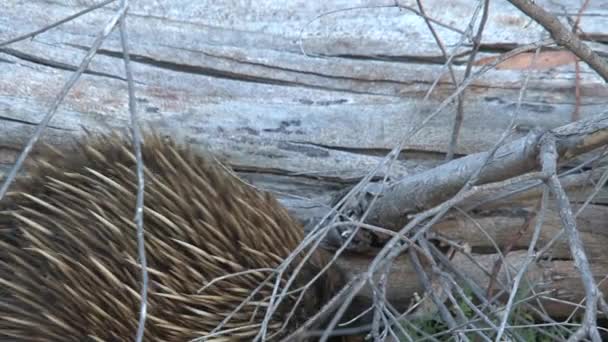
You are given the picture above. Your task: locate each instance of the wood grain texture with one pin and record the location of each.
(231, 77)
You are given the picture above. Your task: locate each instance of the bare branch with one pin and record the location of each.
(523, 268)
(426, 284)
(55, 24)
(139, 205)
(563, 36)
(549, 157)
(460, 107)
(518, 157)
(110, 26)
(321, 315)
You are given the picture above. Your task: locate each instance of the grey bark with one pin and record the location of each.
(231, 78)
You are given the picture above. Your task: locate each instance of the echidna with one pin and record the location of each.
(69, 264)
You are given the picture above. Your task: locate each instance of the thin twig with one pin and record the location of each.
(568, 177)
(577, 67)
(55, 24)
(457, 46)
(460, 107)
(392, 249)
(598, 187)
(539, 216)
(563, 36)
(514, 117)
(319, 316)
(139, 204)
(396, 5)
(509, 246)
(549, 157)
(449, 66)
(110, 26)
(426, 284)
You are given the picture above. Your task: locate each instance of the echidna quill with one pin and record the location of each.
(69, 266)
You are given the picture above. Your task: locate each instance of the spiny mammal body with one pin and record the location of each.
(69, 264)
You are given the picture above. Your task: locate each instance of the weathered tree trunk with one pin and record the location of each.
(304, 101)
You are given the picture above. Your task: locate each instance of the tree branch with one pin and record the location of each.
(548, 158)
(563, 36)
(430, 188)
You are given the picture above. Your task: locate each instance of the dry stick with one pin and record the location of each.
(379, 292)
(577, 67)
(509, 246)
(389, 310)
(473, 323)
(512, 123)
(475, 288)
(316, 235)
(580, 303)
(577, 21)
(577, 138)
(460, 107)
(139, 201)
(321, 233)
(421, 331)
(217, 330)
(55, 24)
(321, 315)
(386, 267)
(426, 284)
(567, 177)
(487, 302)
(381, 311)
(577, 91)
(461, 294)
(598, 187)
(389, 314)
(448, 62)
(394, 313)
(500, 255)
(563, 36)
(392, 155)
(467, 301)
(62, 94)
(438, 110)
(384, 257)
(445, 56)
(390, 247)
(395, 5)
(558, 236)
(539, 216)
(549, 245)
(447, 288)
(518, 157)
(549, 158)
(437, 41)
(319, 238)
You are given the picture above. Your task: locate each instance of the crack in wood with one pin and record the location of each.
(24, 122)
(223, 74)
(53, 64)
